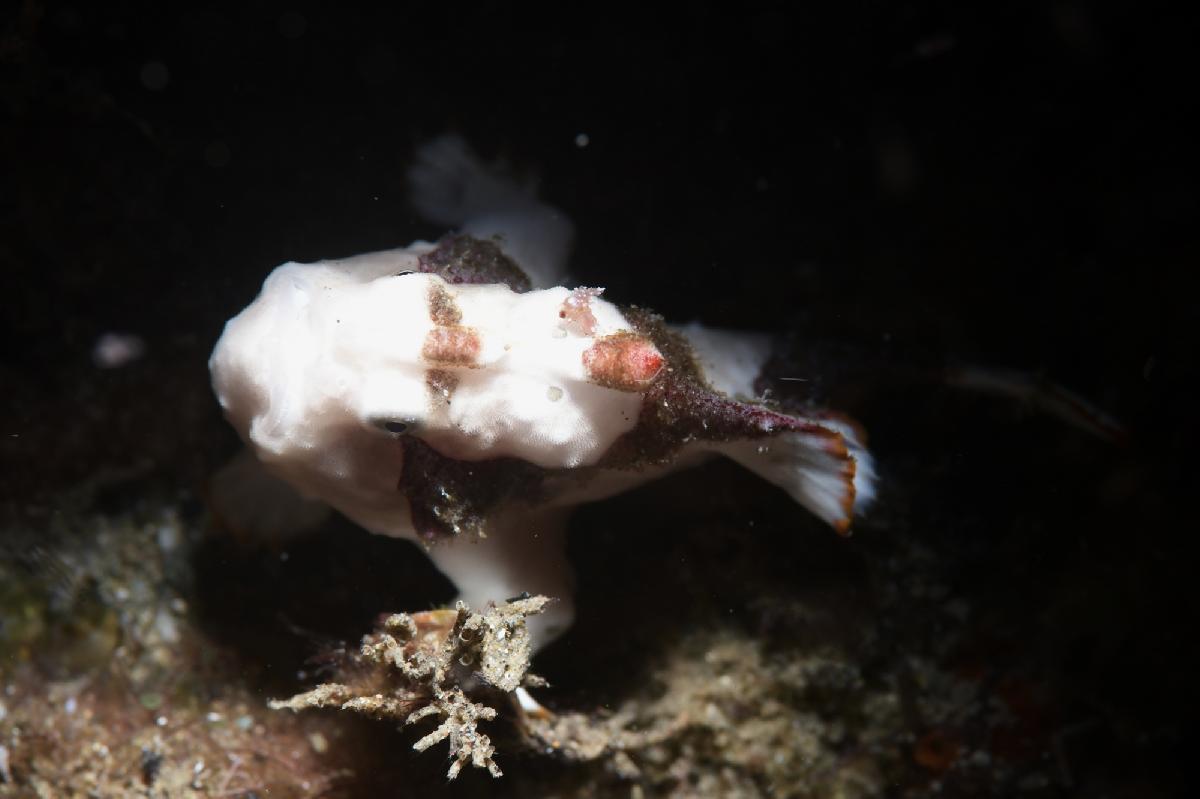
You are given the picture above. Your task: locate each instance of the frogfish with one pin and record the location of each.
(457, 394)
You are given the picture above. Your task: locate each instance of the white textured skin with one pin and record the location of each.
(328, 349)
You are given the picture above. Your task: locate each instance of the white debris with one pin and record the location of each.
(114, 350)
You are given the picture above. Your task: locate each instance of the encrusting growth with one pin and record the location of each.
(419, 665)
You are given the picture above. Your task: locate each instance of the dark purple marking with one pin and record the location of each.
(464, 259)
(450, 497)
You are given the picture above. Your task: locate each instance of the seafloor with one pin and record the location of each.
(1011, 619)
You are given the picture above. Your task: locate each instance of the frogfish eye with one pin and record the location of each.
(405, 272)
(396, 427)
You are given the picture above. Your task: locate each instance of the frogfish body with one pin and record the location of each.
(451, 394)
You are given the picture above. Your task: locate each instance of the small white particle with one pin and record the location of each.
(169, 537)
(161, 721)
(113, 350)
(582, 140)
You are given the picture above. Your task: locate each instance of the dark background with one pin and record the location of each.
(897, 187)
(999, 186)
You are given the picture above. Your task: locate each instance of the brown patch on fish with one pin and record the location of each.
(452, 346)
(624, 361)
(441, 384)
(443, 310)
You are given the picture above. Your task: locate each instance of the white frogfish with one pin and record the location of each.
(453, 394)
